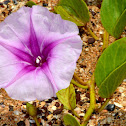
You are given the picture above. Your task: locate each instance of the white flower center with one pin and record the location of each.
(38, 61)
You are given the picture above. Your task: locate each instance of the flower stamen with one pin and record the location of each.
(38, 61)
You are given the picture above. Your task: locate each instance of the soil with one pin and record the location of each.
(50, 111)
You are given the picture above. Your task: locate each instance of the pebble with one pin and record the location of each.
(27, 122)
(118, 105)
(124, 103)
(82, 114)
(15, 2)
(1, 103)
(120, 89)
(10, 108)
(124, 80)
(101, 32)
(78, 97)
(81, 70)
(32, 121)
(23, 107)
(77, 110)
(6, 2)
(21, 123)
(54, 108)
(16, 112)
(30, 102)
(1, 96)
(109, 119)
(58, 111)
(101, 43)
(49, 101)
(91, 40)
(45, 4)
(87, 49)
(49, 116)
(110, 107)
(57, 104)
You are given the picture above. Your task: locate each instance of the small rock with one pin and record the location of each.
(49, 101)
(118, 105)
(87, 49)
(109, 119)
(82, 114)
(101, 43)
(1, 103)
(78, 97)
(57, 104)
(21, 123)
(15, 2)
(6, 2)
(88, 95)
(91, 40)
(32, 121)
(58, 111)
(49, 116)
(54, 108)
(11, 108)
(16, 112)
(45, 4)
(124, 80)
(110, 107)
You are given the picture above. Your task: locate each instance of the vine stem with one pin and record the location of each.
(80, 81)
(92, 34)
(103, 105)
(79, 85)
(36, 120)
(105, 40)
(75, 114)
(92, 101)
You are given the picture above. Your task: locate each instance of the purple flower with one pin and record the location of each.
(38, 53)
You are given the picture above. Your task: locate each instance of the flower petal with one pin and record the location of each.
(50, 26)
(9, 66)
(15, 31)
(62, 61)
(34, 85)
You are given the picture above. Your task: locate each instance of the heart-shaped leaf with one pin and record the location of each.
(113, 16)
(67, 97)
(73, 10)
(111, 68)
(70, 120)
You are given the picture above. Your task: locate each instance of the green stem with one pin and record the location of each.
(103, 105)
(75, 114)
(105, 40)
(36, 120)
(80, 81)
(79, 85)
(92, 34)
(92, 102)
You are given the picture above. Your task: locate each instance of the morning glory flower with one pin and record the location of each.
(38, 53)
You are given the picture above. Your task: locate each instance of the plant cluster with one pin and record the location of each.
(110, 68)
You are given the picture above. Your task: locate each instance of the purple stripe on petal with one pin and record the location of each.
(20, 74)
(49, 47)
(47, 72)
(21, 55)
(33, 42)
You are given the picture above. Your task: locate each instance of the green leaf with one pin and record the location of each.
(73, 10)
(67, 97)
(111, 68)
(113, 16)
(70, 120)
(30, 3)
